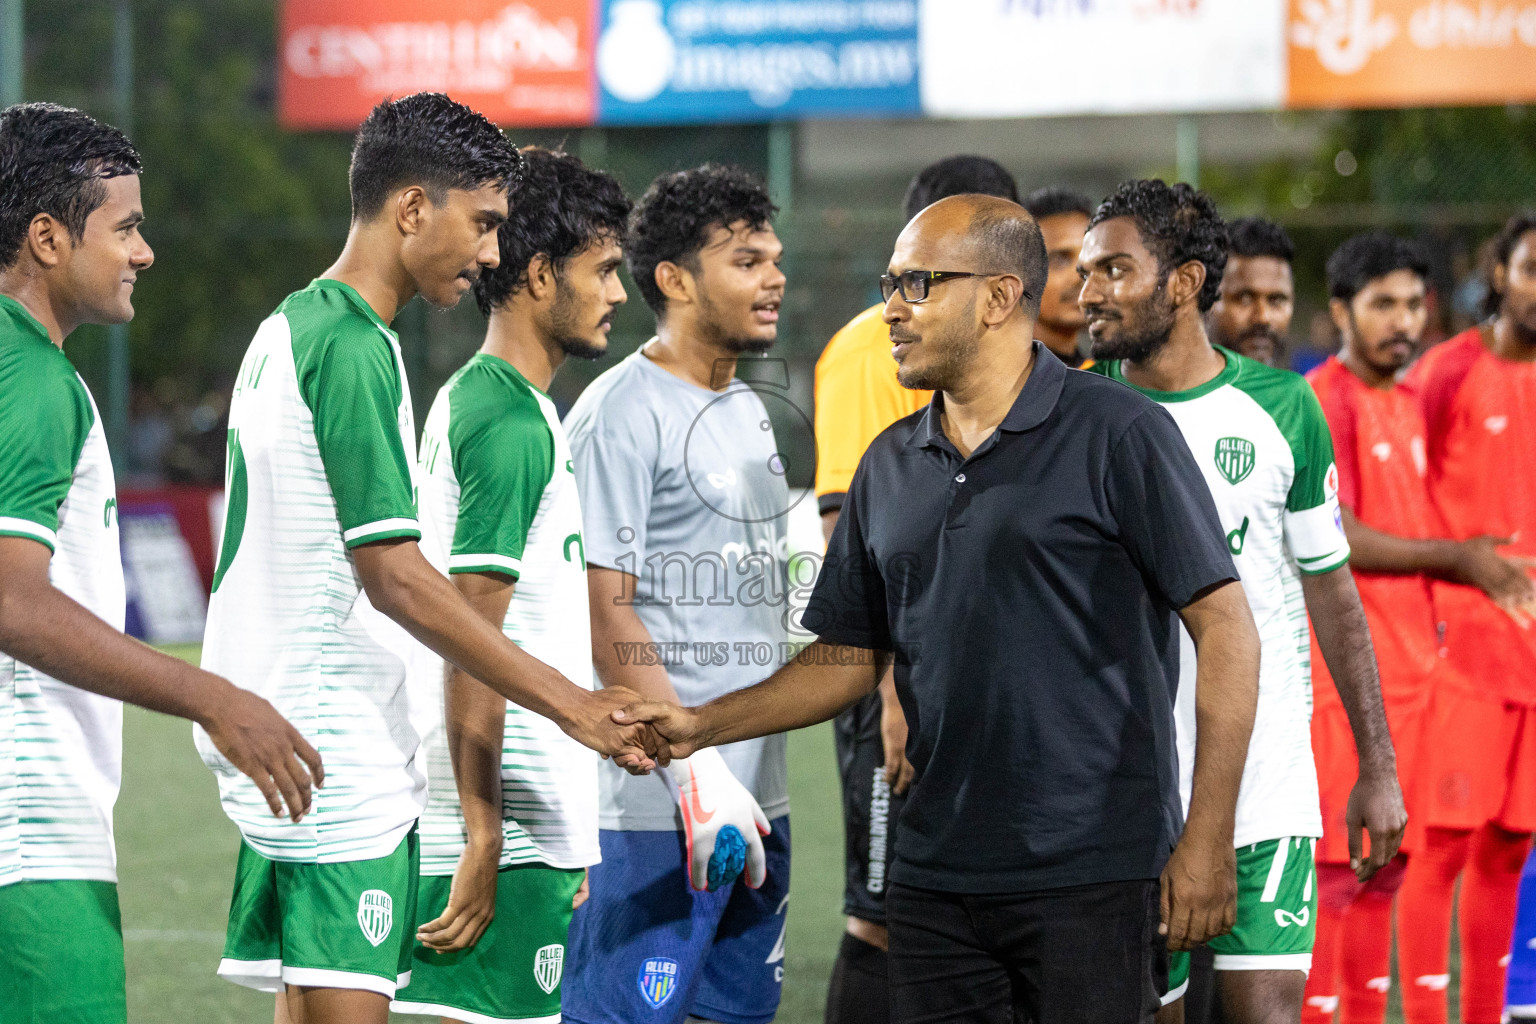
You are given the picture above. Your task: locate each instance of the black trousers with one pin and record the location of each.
(1087, 954)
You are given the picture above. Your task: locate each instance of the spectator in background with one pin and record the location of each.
(857, 397)
(1062, 214)
(1253, 312)
(150, 434)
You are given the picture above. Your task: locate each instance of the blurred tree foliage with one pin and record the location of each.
(1448, 176)
(1402, 160)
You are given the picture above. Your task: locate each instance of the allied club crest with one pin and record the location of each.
(1234, 458)
(375, 915)
(548, 965)
(658, 980)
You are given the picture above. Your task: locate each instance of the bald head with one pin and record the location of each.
(981, 235)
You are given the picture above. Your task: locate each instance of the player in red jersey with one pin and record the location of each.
(1377, 287)
(1478, 764)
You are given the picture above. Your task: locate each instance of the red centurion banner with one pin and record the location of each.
(526, 62)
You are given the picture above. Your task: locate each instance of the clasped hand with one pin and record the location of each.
(668, 731)
(639, 735)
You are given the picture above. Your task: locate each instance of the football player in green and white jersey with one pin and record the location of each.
(70, 251)
(321, 586)
(511, 819)
(1151, 266)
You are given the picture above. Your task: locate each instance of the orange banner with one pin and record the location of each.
(1404, 53)
(519, 63)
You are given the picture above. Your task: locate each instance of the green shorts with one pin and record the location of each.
(343, 925)
(62, 958)
(513, 973)
(1276, 914)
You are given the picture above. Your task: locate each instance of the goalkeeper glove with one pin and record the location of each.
(723, 824)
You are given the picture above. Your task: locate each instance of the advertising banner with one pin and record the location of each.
(1018, 58)
(671, 61)
(523, 63)
(579, 62)
(1400, 53)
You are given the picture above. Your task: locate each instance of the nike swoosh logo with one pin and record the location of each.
(700, 815)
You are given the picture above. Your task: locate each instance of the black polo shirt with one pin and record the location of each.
(1028, 592)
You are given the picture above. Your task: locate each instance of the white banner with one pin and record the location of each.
(1015, 58)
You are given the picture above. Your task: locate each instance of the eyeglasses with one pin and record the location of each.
(914, 285)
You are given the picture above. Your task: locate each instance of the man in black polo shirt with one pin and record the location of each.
(1020, 545)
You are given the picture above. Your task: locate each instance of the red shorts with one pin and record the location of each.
(1338, 766)
(1478, 761)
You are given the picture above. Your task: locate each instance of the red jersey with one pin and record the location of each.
(1379, 447)
(1480, 413)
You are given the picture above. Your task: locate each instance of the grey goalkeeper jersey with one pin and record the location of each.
(682, 488)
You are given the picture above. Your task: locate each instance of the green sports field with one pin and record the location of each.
(177, 856)
(177, 853)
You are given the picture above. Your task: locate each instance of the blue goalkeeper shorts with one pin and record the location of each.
(647, 949)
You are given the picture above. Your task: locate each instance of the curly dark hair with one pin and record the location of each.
(429, 140)
(958, 176)
(1255, 236)
(1177, 223)
(1054, 200)
(54, 160)
(1369, 255)
(672, 220)
(561, 208)
(1504, 244)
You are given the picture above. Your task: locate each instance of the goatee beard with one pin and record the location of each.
(581, 348)
(749, 346)
(917, 380)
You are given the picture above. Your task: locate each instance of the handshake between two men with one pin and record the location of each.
(722, 822)
(724, 825)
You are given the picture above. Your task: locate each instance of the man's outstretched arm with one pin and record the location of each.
(1200, 881)
(43, 627)
(1344, 637)
(818, 683)
(402, 584)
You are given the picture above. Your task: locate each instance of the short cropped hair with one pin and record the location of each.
(1255, 236)
(54, 160)
(673, 219)
(958, 176)
(429, 140)
(561, 208)
(1178, 224)
(1009, 241)
(1504, 244)
(1369, 255)
(1054, 200)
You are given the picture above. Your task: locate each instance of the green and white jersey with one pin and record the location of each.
(320, 459)
(1259, 436)
(498, 494)
(61, 749)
